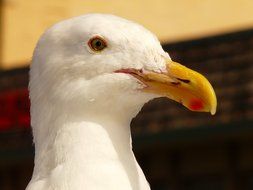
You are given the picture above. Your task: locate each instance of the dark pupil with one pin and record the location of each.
(98, 44)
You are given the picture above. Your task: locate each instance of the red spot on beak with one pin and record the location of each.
(196, 104)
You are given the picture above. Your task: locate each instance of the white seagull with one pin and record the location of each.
(90, 75)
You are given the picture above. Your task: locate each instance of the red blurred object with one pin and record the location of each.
(14, 109)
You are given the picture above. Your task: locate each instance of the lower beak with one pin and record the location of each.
(182, 85)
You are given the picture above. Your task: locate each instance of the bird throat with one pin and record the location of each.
(93, 152)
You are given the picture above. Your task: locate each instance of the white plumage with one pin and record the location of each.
(81, 108)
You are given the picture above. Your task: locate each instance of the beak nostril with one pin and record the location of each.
(184, 80)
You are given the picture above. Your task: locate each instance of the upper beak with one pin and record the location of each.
(181, 84)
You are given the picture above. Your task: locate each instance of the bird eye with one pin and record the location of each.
(97, 44)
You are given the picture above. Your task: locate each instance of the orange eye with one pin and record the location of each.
(97, 44)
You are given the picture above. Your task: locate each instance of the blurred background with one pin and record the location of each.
(177, 149)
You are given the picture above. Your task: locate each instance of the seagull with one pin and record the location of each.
(90, 75)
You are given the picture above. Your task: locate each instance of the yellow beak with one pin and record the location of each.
(182, 85)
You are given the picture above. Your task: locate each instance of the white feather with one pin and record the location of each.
(81, 110)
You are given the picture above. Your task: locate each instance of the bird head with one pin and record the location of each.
(104, 61)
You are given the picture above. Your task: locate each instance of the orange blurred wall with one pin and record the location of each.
(172, 20)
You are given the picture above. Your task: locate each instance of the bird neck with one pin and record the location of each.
(91, 141)
(80, 148)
